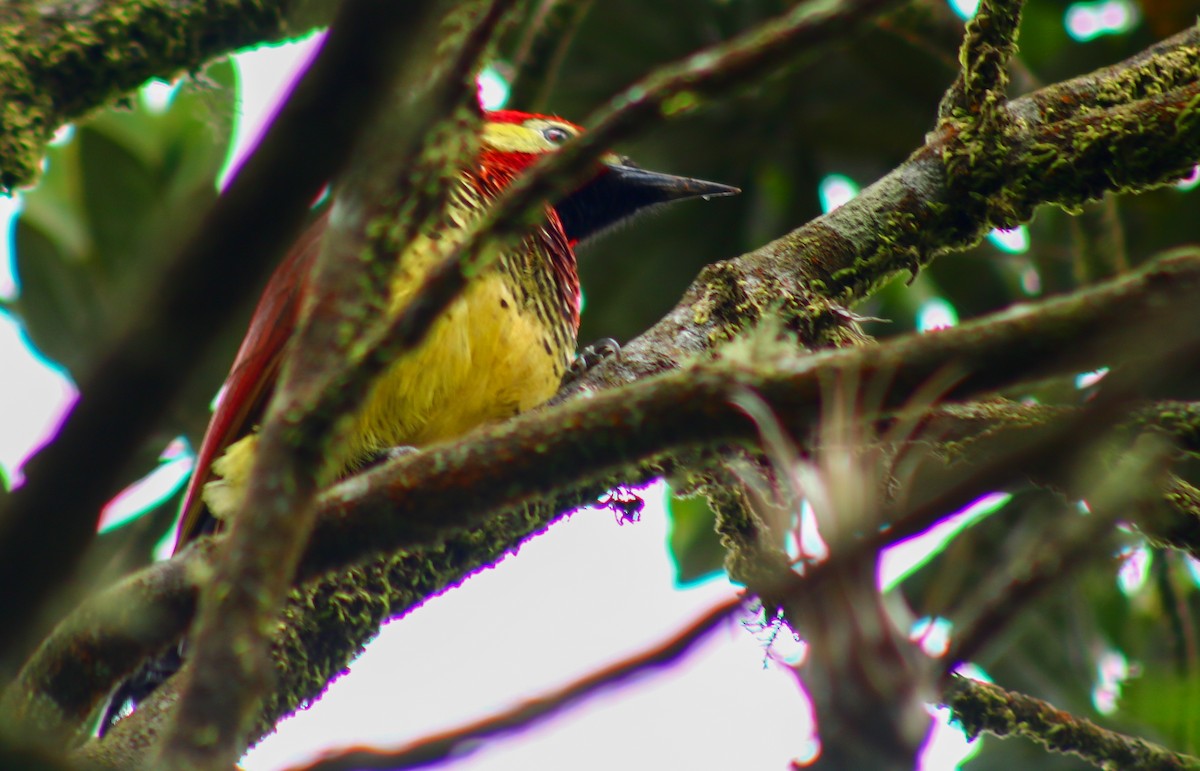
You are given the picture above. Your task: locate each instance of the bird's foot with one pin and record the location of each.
(379, 457)
(591, 356)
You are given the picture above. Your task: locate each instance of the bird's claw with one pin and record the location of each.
(379, 457)
(593, 355)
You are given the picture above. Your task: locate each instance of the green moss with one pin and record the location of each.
(1158, 75)
(725, 307)
(58, 65)
(902, 243)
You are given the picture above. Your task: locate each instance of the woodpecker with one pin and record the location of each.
(499, 349)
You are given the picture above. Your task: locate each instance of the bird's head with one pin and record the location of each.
(617, 191)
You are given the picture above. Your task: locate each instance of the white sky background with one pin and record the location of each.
(586, 593)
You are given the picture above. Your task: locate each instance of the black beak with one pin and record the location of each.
(620, 191)
(661, 188)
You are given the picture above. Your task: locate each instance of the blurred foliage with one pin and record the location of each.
(693, 540)
(109, 209)
(120, 193)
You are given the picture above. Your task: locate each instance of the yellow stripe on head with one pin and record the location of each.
(534, 136)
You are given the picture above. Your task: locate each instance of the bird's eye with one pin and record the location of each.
(555, 135)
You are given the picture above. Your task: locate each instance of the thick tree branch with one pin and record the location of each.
(1141, 138)
(58, 61)
(1164, 66)
(60, 688)
(1055, 337)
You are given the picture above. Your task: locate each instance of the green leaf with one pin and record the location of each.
(119, 195)
(57, 303)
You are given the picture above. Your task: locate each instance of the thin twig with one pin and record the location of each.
(465, 739)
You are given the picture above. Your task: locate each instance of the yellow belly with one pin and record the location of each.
(484, 360)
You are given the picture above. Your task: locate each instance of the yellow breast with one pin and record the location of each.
(485, 359)
(498, 350)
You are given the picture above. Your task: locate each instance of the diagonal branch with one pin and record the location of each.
(1061, 336)
(229, 673)
(980, 707)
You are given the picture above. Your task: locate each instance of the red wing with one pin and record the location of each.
(252, 377)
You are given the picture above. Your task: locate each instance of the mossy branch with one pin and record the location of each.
(1144, 139)
(978, 94)
(980, 707)
(59, 61)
